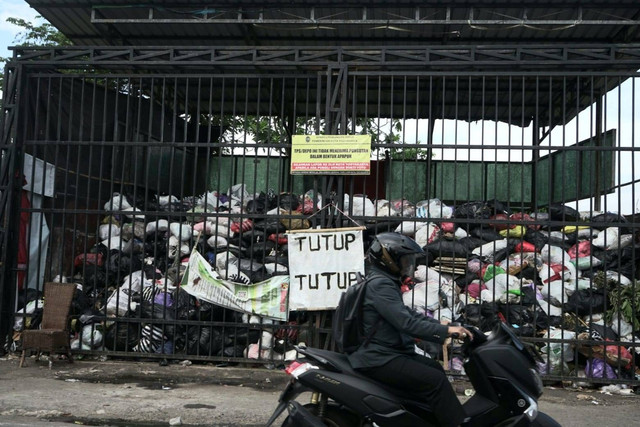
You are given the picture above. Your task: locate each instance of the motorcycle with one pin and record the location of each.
(500, 368)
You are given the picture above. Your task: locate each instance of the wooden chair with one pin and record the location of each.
(53, 335)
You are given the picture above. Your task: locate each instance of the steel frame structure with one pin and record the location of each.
(333, 86)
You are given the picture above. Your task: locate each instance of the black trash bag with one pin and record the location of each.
(121, 336)
(627, 261)
(269, 225)
(88, 316)
(206, 312)
(602, 221)
(185, 305)
(624, 261)
(121, 265)
(258, 251)
(101, 249)
(472, 210)
(151, 273)
(556, 321)
(472, 314)
(502, 254)
(250, 236)
(27, 295)
(537, 238)
(533, 316)
(426, 259)
(566, 242)
(489, 316)
(498, 207)
(255, 271)
(486, 234)
(205, 340)
(277, 259)
(529, 273)
(563, 213)
(232, 351)
(258, 205)
(149, 310)
(600, 332)
(243, 336)
(515, 314)
(156, 245)
(288, 201)
(94, 280)
(584, 302)
(447, 248)
(463, 281)
(528, 296)
(282, 346)
(471, 242)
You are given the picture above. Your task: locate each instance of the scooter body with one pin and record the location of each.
(500, 368)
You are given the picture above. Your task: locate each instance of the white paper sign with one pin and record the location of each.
(322, 264)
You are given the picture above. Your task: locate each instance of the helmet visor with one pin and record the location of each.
(407, 265)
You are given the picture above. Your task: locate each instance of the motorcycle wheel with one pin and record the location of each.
(544, 420)
(333, 416)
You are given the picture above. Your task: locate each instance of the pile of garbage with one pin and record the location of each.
(557, 274)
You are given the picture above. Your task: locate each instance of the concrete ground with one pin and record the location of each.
(129, 393)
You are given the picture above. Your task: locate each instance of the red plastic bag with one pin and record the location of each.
(580, 250)
(278, 239)
(245, 225)
(520, 216)
(525, 247)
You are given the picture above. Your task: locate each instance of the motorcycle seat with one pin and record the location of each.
(340, 362)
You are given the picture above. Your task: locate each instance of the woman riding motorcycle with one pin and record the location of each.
(389, 355)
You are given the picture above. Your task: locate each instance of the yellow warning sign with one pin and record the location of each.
(331, 154)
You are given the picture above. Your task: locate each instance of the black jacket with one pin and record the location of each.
(399, 325)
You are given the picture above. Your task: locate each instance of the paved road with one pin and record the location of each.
(146, 394)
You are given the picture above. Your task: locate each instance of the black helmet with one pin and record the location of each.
(394, 253)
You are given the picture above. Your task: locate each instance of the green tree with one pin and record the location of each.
(34, 34)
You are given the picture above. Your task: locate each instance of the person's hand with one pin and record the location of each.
(460, 331)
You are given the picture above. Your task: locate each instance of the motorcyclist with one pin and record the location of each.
(389, 355)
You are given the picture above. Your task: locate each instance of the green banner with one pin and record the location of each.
(268, 298)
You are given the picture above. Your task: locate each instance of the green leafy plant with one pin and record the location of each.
(32, 34)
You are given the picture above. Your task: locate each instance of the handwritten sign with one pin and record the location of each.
(322, 264)
(331, 154)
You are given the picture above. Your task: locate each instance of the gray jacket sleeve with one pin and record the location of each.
(387, 301)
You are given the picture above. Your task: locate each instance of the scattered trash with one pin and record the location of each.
(177, 421)
(616, 389)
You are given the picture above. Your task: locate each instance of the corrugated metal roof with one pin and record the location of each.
(333, 23)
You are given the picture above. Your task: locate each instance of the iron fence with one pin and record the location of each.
(516, 175)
